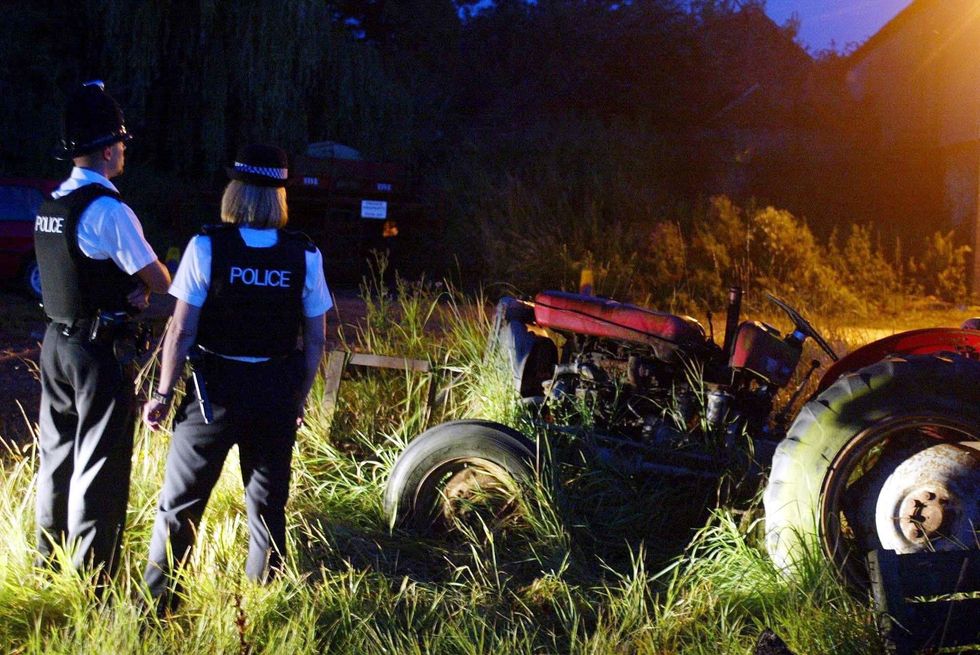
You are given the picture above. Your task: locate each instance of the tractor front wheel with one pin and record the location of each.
(462, 473)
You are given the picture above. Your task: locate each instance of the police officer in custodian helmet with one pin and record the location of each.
(247, 291)
(96, 271)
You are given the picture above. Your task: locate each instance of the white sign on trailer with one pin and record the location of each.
(374, 209)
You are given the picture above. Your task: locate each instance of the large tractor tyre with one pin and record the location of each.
(461, 472)
(886, 457)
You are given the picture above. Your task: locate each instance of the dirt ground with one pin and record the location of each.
(19, 387)
(21, 332)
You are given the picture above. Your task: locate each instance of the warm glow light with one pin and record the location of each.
(969, 17)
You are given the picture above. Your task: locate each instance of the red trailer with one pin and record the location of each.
(350, 206)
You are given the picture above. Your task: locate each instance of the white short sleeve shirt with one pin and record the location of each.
(108, 229)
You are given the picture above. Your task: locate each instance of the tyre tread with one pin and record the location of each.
(943, 382)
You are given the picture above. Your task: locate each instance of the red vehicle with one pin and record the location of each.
(885, 454)
(20, 199)
(350, 206)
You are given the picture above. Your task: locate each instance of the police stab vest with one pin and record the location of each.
(73, 285)
(254, 306)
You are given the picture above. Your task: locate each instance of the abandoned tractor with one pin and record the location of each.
(884, 454)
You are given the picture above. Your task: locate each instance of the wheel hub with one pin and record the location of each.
(476, 485)
(931, 501)
(924, 513)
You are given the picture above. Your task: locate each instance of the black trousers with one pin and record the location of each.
(87, 420)
(255, 406)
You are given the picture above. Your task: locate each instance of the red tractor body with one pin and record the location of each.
(885, 454)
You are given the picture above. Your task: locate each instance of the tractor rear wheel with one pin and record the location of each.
(886, 457)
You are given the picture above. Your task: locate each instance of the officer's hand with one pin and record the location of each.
(139, 297)
(299, 419)
(154, 412)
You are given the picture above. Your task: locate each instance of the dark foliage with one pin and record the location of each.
(198, 77)
(609, 112)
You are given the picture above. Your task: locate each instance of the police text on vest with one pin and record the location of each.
(53, 224)
(255, 277)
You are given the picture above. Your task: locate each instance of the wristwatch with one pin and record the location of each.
(164, 398)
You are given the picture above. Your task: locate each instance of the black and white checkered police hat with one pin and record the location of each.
(261, 165)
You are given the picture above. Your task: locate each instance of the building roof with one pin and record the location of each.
(892, 26)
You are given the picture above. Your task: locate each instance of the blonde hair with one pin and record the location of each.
(254, 206)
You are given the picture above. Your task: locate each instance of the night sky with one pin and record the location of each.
(827, 23)
(830, 24)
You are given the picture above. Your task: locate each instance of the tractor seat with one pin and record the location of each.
(609, 319)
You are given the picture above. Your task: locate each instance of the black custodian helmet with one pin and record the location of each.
(93, 120)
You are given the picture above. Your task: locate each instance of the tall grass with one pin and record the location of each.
(603, 563)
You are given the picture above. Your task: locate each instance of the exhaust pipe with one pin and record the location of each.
(731, 322)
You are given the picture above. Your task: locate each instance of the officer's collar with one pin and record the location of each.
(88, 175)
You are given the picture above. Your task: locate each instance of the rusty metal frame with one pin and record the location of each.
(339, 360)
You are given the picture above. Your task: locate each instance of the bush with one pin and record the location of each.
(549, 204)
(863, 266)
(759, 249)
(942, 270)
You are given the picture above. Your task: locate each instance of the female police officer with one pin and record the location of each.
(246, 292)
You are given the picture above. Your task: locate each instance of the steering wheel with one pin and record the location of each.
(803, 326)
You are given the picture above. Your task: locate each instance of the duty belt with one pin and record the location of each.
(68, 328)
(104, 325)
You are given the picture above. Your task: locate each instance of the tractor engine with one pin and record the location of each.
(614, 387)
(637, 386)
(649, 376)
